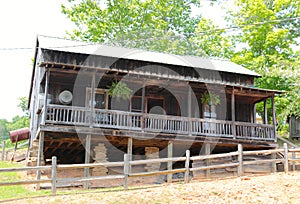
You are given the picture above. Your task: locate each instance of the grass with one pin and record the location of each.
(16, 191)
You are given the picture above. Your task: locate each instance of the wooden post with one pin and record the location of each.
(207, 161)
(240, 159)
(265, 112)
(233, 114)
(15, 149)
(143, 106)
(87, 159)
(143, 98)
(40, 157)
(274, 117)
(274, 169)
(54, 168)
(286, 158)
(294, 164)
(190, 109)
(254, 113)
(126, 171)
(92, 100)
(3, 151)
(170, 155)
(129, 148)
(187, 167)
(44, 117)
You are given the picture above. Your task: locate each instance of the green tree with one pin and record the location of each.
(159, 25)
(269, 31)
(17, 121)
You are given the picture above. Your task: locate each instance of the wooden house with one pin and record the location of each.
(74, 110)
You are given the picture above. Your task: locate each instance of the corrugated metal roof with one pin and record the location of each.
(65, 45)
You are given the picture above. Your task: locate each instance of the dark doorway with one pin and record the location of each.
(155, 106)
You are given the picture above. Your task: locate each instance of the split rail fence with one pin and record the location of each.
(126, 164)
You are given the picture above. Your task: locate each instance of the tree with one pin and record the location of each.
(159, 25)
(17, 121)
(269, 30)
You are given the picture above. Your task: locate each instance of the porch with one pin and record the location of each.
(155, 123)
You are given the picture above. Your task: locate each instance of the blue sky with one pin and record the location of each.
(21, 22)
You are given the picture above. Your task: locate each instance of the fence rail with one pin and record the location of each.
(126, 164)
(72, 115)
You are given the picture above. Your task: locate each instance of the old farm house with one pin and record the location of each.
(114, 100)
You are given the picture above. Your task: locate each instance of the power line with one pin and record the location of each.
(227, 29)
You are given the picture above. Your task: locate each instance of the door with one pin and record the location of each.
(155, 106)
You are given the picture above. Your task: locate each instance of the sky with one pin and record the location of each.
(21, 22)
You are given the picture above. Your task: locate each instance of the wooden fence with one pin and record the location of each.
(126, 164)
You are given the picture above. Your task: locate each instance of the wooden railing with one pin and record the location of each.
(289, 163)
(70, 115)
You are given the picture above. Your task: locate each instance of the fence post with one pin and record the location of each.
(187, 167)
(126, 170)
(286, 158)
(3, 150)
(54, 168)
(294, 157)
(170, 163)
(240, 159)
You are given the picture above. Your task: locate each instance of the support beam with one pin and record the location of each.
(233, 114)
(40, 157)
(170, 163)
(143, 98)
(254, 113)
(129, 150)
(87, 159)
(92, 100)
(274, 117)
(207, 161)
(189, 108)
(265, 112)
(44, 117)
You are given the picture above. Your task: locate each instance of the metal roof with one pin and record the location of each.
(65, 45)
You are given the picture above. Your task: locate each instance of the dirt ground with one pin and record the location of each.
(274, 188)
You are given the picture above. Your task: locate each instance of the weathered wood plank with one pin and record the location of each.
(214, 166)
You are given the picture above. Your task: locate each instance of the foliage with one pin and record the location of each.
(23, 102)
(210, 98)
(17, 121)
(269, 35)
(159, 25)
(119, 90)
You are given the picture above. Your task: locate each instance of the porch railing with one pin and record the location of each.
(70, 115)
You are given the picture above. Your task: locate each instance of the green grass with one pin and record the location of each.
(17, 191)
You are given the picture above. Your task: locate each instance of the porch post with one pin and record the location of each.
(189, 109)
(265, 112)
(40, 157)
(274, 117)
(254, 113)
(92, 100)
(143, 106)
(87, 159)
(170, 155)
(46, 97)
(233, 114)
(143, 98)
